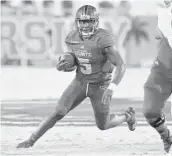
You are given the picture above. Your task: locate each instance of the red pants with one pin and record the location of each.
(77, 91)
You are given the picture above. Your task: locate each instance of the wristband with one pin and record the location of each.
(112, 86)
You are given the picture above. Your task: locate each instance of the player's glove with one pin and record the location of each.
(69, 69)
(63, 65)
(107, 96)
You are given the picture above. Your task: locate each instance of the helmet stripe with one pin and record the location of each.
(86, 9)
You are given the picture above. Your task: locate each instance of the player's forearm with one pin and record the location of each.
(119, 74)
(115, 58)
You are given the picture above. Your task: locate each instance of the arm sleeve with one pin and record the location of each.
(106, 40)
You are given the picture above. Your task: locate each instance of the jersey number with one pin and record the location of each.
(85, 66)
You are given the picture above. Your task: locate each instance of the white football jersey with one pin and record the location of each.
(165, 21)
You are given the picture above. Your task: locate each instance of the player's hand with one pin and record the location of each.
(69, 69)
(107, 96)
(61, 65)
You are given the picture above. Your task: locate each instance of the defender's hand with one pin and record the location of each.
(107, 96)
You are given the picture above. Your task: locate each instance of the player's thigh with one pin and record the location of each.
(71, 97)
(157, 89)
(101, 110)
(96, 99)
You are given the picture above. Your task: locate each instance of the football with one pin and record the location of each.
(68, 57)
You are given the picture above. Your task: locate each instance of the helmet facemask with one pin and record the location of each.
(86, 27)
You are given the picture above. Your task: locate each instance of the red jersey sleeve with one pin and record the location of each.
(70, 37)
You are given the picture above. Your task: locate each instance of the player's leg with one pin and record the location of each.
(71, 97)
(105, 119)
(156, 91)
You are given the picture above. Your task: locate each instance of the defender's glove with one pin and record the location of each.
(107, 96)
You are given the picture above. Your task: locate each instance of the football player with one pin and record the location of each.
(158, 86)
(96, 55)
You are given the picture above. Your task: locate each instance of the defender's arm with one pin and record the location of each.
(115, 58)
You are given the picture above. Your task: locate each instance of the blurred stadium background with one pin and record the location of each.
(33, 31)
(32, 37)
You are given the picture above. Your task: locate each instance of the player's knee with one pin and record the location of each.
(149, 110)
(61, 110)
(153, 116)
(150, 113)
(156, 122)
(102, 121)
(52, 119)
(102, 126)
(56, 116)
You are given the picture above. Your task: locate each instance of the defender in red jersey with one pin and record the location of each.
(96, 56)
(158, 86)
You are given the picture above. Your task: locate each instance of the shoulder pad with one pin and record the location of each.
(106, 38)
(70, 36)
(102, 32)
